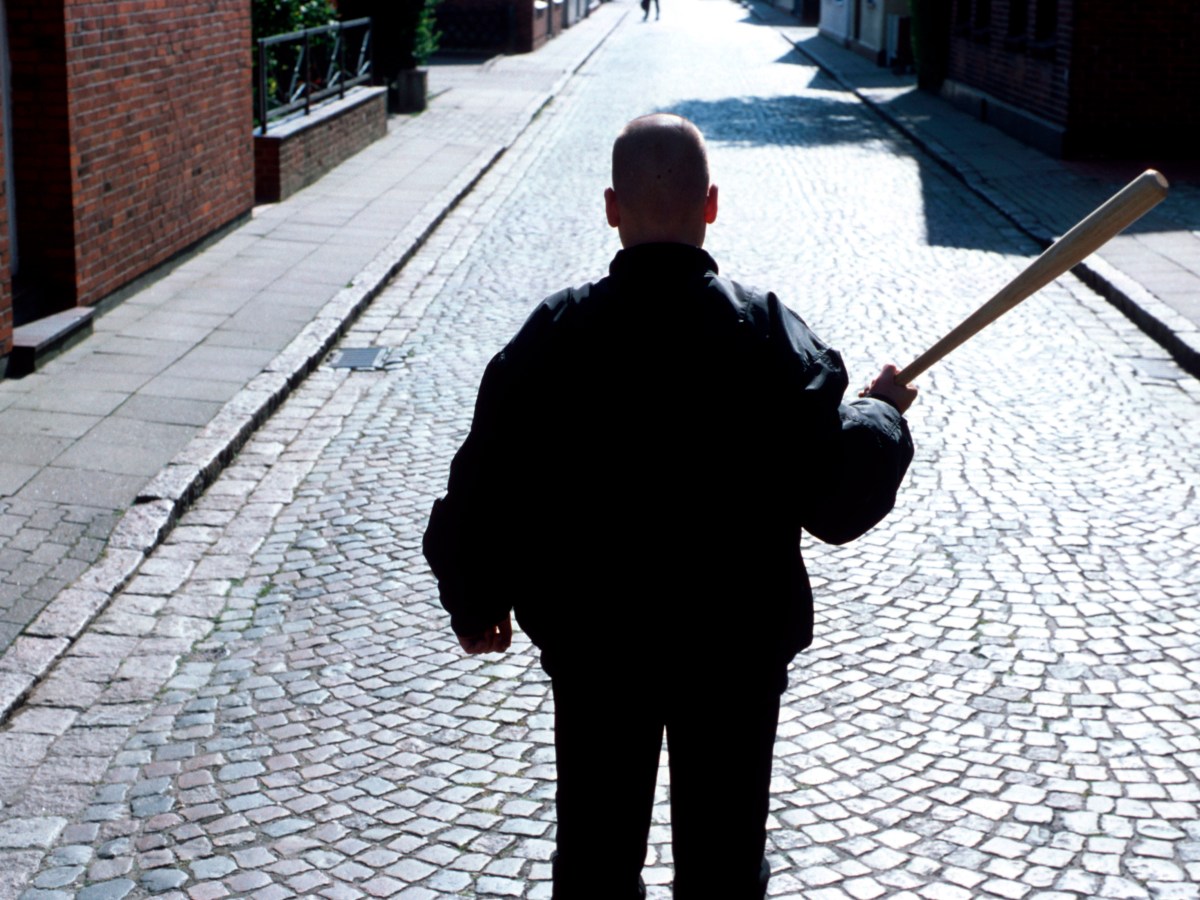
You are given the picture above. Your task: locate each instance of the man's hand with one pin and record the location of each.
(885, 388)
(492, 640)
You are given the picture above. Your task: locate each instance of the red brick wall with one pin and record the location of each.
(1020, 74)
(533, 24)
(160, 106)
(1135, 75)
(1122, 77)
(476, 24)
(131, 124)
(292, 158)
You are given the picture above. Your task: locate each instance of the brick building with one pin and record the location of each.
(1101, 78)
(506, 26)
(127, 139)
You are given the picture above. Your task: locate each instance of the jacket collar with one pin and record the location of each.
(657, 260)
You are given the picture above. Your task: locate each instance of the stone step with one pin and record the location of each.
(37, 342)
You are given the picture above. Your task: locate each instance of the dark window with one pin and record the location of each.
(1045, 28)
(962, 17)
(981, 25)
(1018, 24)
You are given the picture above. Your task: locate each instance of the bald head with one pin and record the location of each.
(660, 182)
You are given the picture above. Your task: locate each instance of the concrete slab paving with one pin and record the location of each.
(49, 422)
(31, 448)
(52, 398)
(118, 459)
(15, 474)
(172, 385)
(79, 486)
(171, 410)
(100, 359)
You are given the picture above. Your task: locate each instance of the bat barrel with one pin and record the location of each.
(1105, 222)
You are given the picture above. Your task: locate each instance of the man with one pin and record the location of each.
(643, 457)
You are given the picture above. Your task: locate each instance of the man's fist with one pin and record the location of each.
(493, 640)
(885, 388)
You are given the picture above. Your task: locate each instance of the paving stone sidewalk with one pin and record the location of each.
(102, 448)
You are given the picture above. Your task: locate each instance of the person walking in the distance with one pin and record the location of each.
(643, 457)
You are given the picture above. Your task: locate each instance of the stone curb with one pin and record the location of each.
(1164, 325)
(167, 496)
(1161, 323)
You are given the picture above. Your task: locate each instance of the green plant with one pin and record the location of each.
(425, 34)
(272, 17)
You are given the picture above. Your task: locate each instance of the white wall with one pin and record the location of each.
(837, 20)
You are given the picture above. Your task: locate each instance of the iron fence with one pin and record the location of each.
(295, 70)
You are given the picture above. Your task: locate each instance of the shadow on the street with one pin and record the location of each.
(1179, 212)
(800, 122)
(755, 20)
(866, 75)
(793, 58)
(787, 121)
(1037, 191)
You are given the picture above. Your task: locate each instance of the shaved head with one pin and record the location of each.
(660, 181)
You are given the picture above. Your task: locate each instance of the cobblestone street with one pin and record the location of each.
(1003, 698)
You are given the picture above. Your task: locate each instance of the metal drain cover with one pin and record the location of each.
(360, 358)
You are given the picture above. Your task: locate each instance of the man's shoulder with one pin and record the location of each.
(579, 315)
(772, 320)
(752, 304)
(567, 302)
(547, 326)
(562, 308)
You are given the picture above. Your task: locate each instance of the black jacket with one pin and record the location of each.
(643, 456)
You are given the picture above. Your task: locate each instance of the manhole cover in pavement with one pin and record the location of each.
(360, 358)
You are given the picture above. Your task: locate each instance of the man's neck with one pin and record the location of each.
(632, 237)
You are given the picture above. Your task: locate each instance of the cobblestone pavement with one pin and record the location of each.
(1002, 699)
(44, 547)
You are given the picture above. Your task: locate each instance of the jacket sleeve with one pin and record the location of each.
(478, 532)
(466, 526)
(866, 461)
(855, 454)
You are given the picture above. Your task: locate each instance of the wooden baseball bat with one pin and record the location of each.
(1104, 223)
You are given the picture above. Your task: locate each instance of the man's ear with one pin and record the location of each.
(611, 210)
(710, 205)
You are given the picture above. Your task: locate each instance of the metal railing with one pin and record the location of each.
(298, 69)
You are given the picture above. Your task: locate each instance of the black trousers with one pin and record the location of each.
(720, 741)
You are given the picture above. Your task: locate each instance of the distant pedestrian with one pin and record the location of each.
(646, 9)
(643, 457)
